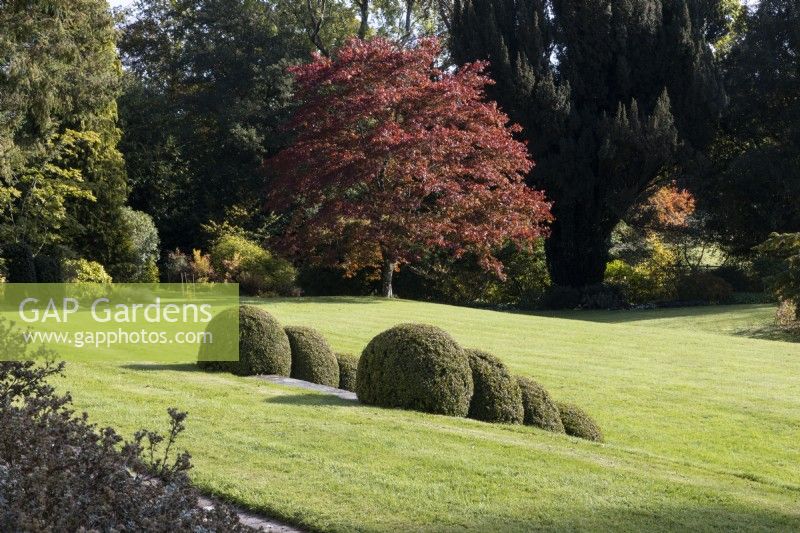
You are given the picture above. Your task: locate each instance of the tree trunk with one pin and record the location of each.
(577, 249)
(387, 272)
(363, 7)
(409, 9)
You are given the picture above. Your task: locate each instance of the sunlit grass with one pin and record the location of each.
(701, 427)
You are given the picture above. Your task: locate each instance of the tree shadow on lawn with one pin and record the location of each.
(656, 518)
(176, 367)
(315, 299)
(622, 316)
(771, 332)
(310, 400)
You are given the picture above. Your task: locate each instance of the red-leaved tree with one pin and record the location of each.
(394, 157)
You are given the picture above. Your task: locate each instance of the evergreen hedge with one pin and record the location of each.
(348, 369)
(497, 396)
(415, 366)
(540, 409)
(578, 423)
(312, 357)
(263, 345)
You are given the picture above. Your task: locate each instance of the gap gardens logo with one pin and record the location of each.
(135, 322)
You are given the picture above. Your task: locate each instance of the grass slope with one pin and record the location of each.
(701, 427)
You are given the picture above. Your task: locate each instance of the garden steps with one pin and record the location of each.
(260, 523)
(324, 389)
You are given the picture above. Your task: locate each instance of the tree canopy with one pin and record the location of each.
(754, 186)
(393, 156)
(654, 125)
(205, 97)
(607, 93)
(62, 180)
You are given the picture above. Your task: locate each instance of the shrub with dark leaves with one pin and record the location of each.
(20, 263)
(578, 423)
(262, 344)
(348, 368)
(558, 297)
(48, 269)
(497, 397)
(58, 472)
(313, 359)
(415, 366)
(704, 287)
(540, 409)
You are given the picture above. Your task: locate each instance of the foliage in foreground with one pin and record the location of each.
(60, 473)
(415, 366)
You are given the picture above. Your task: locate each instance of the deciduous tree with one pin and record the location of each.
(756, 185)
(204, 97)
(394, 157)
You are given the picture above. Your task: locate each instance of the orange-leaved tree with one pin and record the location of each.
(393, 157)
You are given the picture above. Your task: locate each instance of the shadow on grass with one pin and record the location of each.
(314, 299)
(770, 332)
(623, 316)
(310, 400)
(176, 367)
(663, 517)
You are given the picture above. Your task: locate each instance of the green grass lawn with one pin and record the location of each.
(702, 426)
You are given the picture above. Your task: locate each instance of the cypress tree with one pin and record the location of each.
(611, 95)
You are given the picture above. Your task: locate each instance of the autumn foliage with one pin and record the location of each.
(672, 206)
(667, 208)
(393, 157)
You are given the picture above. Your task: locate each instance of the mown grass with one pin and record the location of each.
(701, 426)
(729, 319)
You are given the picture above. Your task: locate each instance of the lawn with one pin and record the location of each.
(702, 425)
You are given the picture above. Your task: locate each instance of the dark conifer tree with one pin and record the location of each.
(608, 93)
